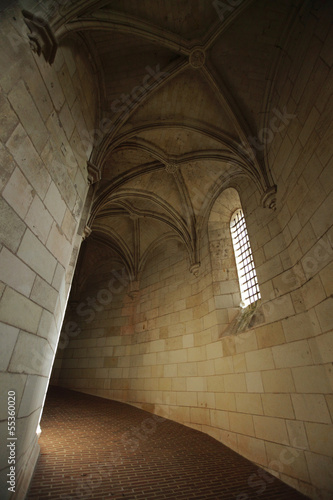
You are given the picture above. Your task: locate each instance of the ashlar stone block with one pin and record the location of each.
(28, 160)
(324, 312)
(8, 119)
(59, 246)
(33, 252)
(254, 382)
(311, 408)
(30, 313)
(277, 405)
(320, 438)
(32, 355)
(270, 335)
(44, 294)
(18, 193)
(253, 449)
(28, 114)
(55, 204)
(15, 273)
(12, 227)
(313, 379)
(7, 166)
(322, 348)
(39, 220)
(33, 396)
(241, 423)
(271, 429)
(320, 470)
(9, 382)
(277, 381)
(288, 460)
(292, 354)
(225, 401)
(9, 336)
(300, 326)
(259, 360)
(297, 434)
(249, 403)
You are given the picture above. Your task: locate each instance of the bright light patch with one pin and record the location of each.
(244, 260)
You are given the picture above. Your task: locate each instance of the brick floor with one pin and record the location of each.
(96, 448)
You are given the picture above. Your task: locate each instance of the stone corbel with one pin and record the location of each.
(133, 289)
(94, 173)
(268, 199)
(42, 40)
(194, 269)
(86, 232)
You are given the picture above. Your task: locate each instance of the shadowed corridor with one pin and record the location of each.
(97, 448)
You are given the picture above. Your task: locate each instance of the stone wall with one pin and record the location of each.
(266, 390)
(260, 390)
(44, 111)
(301, 159)
(169, 350)
(263, 388)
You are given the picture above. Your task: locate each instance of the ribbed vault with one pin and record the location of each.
(181, 100)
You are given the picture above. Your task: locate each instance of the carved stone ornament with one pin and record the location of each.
(194, 269)
(42, 40)
(94, 173)
(171, 167)
(133, 289)
(86, 232)
(197, 58)
(269, 198)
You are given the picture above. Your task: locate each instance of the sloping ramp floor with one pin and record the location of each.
(96, 448)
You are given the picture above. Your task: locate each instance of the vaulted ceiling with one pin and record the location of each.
(184, 85)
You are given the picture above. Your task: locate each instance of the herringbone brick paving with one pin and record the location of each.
(97, 448)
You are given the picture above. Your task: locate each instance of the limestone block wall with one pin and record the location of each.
(130, 348)
(223, 266)
(167, 352)
(301, 159)
(265, 391)
(44, 111)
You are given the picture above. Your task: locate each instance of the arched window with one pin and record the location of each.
(247, 276)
